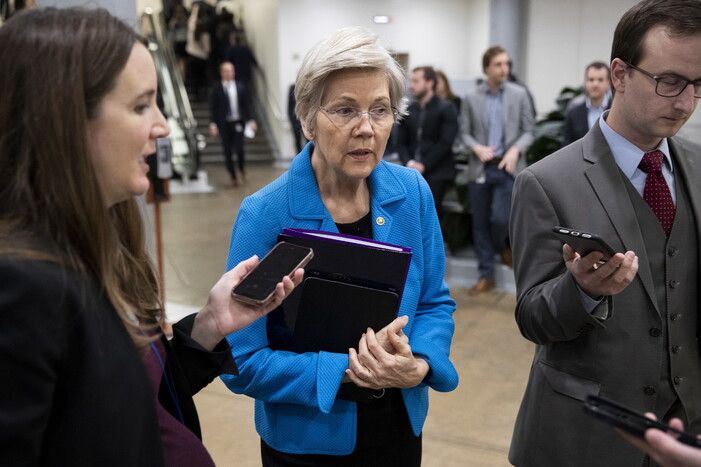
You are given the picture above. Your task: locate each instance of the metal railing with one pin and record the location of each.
(185, 139)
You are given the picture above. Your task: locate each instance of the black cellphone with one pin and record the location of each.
(258, 286)
(584, 242)
(632, 422)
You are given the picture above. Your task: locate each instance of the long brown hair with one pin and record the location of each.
(449, 94)
(58, 65)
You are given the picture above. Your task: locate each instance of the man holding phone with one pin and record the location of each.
(627, 328)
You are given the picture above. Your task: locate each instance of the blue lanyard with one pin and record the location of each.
(170, 383)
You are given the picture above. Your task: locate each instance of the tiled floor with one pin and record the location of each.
(470, 426)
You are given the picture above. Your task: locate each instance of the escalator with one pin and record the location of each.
(188, 118)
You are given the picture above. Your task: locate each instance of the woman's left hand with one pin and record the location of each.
(223, 315)
(374, 367)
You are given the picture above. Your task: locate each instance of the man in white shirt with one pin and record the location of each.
(231, 114)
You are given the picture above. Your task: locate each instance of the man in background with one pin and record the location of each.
(597, 91)
(231, 114)
(497, 124)
(425, 137)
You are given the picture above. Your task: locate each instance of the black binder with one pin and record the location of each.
(352, 283)
(355, 308)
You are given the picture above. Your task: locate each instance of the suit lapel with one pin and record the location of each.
(608, 183)
(385, 188)
(687, 162)
(507, 115)
(482, 109)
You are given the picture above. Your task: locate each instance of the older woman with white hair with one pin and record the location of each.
(349, 92)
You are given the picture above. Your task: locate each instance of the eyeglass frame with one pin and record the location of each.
(658, 78)
(358, 115)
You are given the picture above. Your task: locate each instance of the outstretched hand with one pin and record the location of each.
(223, 315)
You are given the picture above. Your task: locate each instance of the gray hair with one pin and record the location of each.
(347, 48)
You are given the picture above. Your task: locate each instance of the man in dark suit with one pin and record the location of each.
(231, 115)
(627, 328)
(497, 124)
(597, 98)
(425, 137)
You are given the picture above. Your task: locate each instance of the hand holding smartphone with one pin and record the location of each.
(258, 286)
(632, 422)
(584, 242)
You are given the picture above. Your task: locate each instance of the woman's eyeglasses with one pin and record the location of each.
(344, 116)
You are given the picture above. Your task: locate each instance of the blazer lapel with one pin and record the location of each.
(608, 183)
(481, 110)
(507, 114)
(385, 188)
(303, 192)
(687, 162)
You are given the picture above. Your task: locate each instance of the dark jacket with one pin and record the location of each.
(576, 123)
(439, 127)
(75, 390)
(219, 104)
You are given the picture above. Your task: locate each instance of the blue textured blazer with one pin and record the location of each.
(296, 406)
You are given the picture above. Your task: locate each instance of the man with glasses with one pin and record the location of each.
(425, 137)
(625, 329)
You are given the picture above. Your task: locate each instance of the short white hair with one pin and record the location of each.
(348, 48)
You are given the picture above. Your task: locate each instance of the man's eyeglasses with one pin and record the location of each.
(670, 86)
(343, 116)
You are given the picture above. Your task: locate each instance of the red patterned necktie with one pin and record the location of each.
(656, 193)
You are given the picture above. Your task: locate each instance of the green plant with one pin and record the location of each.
(548, 131)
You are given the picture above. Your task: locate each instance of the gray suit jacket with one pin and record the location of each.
(582, 187)
(517, 118)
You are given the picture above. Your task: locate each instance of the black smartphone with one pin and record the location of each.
(584, 242)
(258, 286)
(632, 422)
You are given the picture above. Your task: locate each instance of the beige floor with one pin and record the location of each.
(470, 426)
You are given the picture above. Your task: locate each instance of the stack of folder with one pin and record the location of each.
(351, 284)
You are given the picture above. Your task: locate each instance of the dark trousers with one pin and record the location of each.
(438, 188)
(232, 140)
(385, 439)
(491, 205)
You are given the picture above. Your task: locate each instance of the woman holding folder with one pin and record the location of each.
(350, 92)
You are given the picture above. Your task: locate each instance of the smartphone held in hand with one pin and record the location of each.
(584, 242)
(632, 422)
(258, 286)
